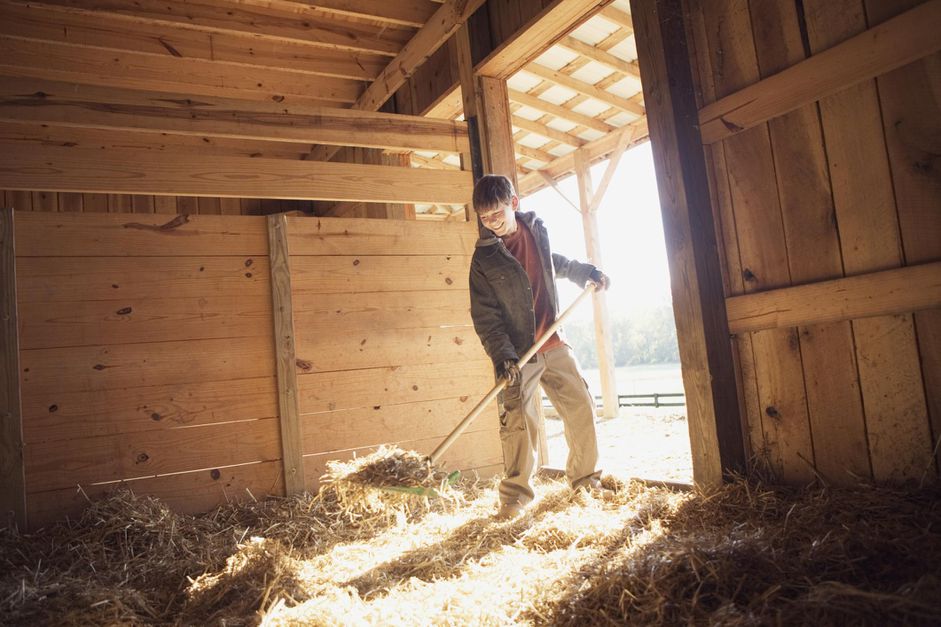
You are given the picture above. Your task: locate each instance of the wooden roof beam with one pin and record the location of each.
(619, 17)
(66, 104)
(400, 13)
(603, 57)
(584, 88)
(535, 153)
(60, 168)
(559, 111)
(548, 132)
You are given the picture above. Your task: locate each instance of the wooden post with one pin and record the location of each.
(496, 131)
(292, 455)
(699, 308)
(12, 477)
(609, 393)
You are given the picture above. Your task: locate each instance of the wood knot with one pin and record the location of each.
(458, 340)
(304, 365)
(99, 366)
(249, 262)
(748, 275)
(124, 311)
(448, 280)
(142, 458)
(773, 412)
(356, 262)
(215, 474)
(155, 416)
(53, 408)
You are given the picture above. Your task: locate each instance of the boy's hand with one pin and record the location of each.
(599, 279)
(510, 371)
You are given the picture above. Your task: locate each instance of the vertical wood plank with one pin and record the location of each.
(291, 440)
(603, 342)
(95, 203)
(20, 200)
(187, 205)
(119, 203)
(889, 369)
(165, 204)
(499, 154)
(911, 119)
(698, 302)
(209, 206)
(142, 204)
(250, 206)
(45, 201)
(71, 202)
(763, 254)
(12, 478)
(834, 402)
(230, 206)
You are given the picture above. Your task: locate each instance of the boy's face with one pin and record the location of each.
(502, 218)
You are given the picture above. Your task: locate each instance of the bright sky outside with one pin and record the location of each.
(632, 245)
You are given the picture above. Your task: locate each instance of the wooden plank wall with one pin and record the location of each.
(146, 355)
(839, 187)
(385, 347)
(66, 202)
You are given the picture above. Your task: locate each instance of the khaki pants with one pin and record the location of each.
(558, 372)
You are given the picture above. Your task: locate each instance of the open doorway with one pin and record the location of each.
(648, 437)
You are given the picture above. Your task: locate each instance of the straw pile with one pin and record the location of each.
(744, 554)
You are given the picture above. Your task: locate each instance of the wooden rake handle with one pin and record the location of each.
(492, 394)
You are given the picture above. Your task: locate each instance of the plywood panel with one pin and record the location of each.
(371, 426)
(475, 449)
(129, 320)
(330, 391)
(379, 273)
(889, 370)
(55, 414)
(191, 492)
(71, 279)
(352, 236)
(111, 367)
(60, 464)
(319, 315)
(98, 235)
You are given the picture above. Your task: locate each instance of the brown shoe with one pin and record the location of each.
(593, 487)
(508, 511)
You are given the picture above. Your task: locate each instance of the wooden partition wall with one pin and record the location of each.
(147, 353)
(820, 121)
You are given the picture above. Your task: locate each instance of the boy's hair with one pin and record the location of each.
(492, 190)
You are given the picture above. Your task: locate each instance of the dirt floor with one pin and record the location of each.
(641, 443)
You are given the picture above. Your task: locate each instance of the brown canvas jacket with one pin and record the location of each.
(501, 296)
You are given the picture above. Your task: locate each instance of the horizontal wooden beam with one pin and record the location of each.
(198, 77)
(548, 132)
(897, 291)
(559, 111)
(68, 104)
(537, 35)
(585, 89)
(619, 17)
(445, 21)
(598, 55)
(534, 153)
(413, 13)
(111, 31)
(595, 150)
(56, 168)
(224, 16)
(881, 49)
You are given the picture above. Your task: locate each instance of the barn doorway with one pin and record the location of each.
(648, 436)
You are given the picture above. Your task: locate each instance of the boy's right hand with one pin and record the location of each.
(510, 371)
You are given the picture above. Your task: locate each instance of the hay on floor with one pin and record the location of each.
(740, 555)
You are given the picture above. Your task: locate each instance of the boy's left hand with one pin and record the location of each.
(599, 279)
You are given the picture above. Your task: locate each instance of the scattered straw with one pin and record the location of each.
(744, 554)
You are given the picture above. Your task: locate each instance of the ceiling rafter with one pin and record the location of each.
(587, 89)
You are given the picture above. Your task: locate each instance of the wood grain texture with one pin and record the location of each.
(12, 474)
(319, 315)
(102, 235)
(360, 236)
(902, 290)
(334, 391)
(60, 464)
(191, 492)
(379, 273)
(96, 368)
(55, 414)
(73, 169)
(285, 351)
(889, 369)
(833, 68)
(708, 373)
(910, 99)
